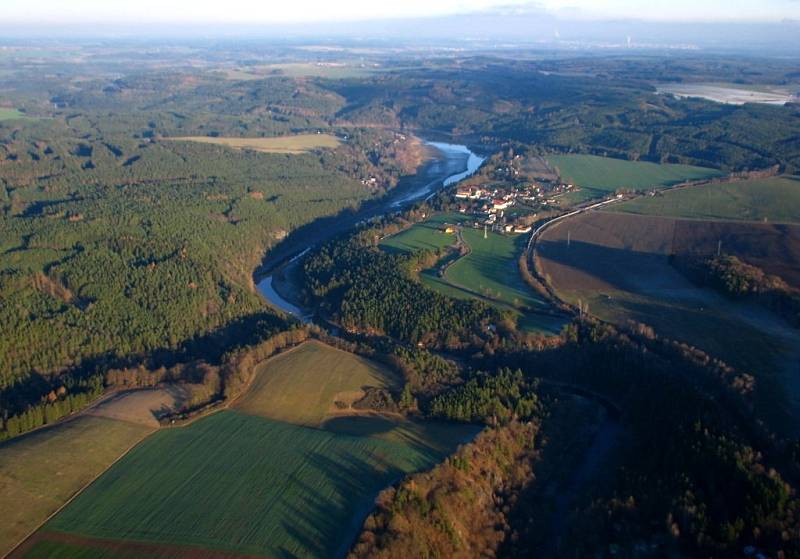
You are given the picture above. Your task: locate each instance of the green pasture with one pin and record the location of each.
(774, 200)
(599, 176)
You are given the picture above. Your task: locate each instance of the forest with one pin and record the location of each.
(127, 260)
(371, 291)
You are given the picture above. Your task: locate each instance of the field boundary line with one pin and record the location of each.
(84, 413)
(79, 491)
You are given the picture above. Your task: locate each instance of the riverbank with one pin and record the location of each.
(273, 279)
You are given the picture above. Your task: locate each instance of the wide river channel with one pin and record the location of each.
(450, 164)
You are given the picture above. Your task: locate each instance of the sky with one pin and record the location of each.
(33, 12)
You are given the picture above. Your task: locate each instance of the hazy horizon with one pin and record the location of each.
(304, 11)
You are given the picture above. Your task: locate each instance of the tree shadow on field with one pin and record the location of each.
(325, 518)
(599, 265)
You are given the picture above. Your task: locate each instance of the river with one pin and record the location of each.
(452, 163)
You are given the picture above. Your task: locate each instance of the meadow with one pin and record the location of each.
(490, 269)
(293, 145)
(775, 200)
(303, 385)
(40, 471)
(427, 235)
(599, 176)
(11, 114)
(488, 273)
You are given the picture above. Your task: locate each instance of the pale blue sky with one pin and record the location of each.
(277, 11)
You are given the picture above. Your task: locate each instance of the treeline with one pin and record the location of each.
(614, 116)
(695, 473)
(214, 368)
(56, 404)
(739, 280)
(371, 291)
(423, 370)
(461, 507)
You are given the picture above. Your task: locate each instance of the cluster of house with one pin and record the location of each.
(498, 199)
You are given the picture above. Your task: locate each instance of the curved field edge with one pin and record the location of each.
(597, 176)
(304, 384)
(488, 272)
(289, 490)
(617, 265)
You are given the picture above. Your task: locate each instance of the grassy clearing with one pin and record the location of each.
(774, 200)
(302, 385)
(12, 114)
(43, 469)
(294, 145)
(598, 176)
(427, 235)
(237, 482)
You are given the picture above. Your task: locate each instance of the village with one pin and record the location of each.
(509, 208)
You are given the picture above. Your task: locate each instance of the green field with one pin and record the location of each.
(301, 386)
(491, 269)
(242, 483)
(11, 114)
(297, 144)
(427, 235)
(774, 200)
(40, 471)
(598, 176)
(488, 273)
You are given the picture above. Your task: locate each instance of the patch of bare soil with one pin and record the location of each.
(143, 406)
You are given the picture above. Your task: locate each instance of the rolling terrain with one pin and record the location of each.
(619, 265)
(227, 483)
(598, 176)
(487, 271)
(770, 200)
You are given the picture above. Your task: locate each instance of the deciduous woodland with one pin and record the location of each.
(588, 347)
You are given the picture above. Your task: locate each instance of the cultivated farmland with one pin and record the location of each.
(491, 269)
(300, 143)
(598, 176)
(225, 485)
(619, 265)
(232, 482)
(40, 471)
(774, 200)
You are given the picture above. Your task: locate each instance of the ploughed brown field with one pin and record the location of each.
(619, 265)
(773, 247)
